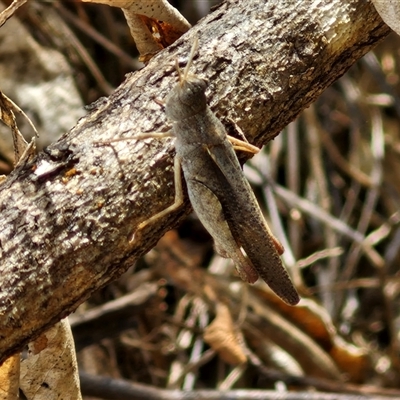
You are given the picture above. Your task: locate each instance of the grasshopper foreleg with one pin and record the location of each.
(177, 203)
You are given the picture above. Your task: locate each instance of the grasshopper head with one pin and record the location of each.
(186, 99)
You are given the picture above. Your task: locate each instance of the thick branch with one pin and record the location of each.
(68, 215)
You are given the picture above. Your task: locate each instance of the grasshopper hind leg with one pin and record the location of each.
(244, 267)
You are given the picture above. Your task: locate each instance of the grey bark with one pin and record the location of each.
(68, 215)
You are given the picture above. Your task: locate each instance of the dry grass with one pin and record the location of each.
(331, 186)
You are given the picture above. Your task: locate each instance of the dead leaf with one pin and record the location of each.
(9, 378)
(314, 320)
(51, 370)
(222, 336)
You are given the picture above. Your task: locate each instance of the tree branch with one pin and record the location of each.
(69, 214)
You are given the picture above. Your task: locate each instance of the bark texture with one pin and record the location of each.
(68, 215)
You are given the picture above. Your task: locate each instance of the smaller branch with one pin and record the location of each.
(10, 11)
(159, 10)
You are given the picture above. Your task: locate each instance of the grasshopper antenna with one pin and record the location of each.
(183, 77)
(193, 50)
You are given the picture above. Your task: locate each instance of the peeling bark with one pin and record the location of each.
(68, 215)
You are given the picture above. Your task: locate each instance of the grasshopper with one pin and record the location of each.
(218, 190)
